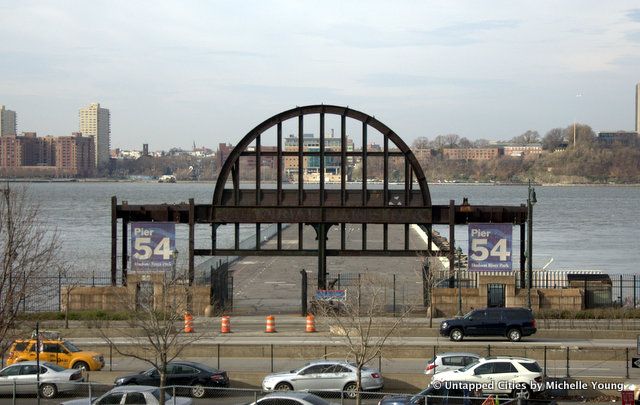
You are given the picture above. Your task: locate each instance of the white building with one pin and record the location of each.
(7, 122)
(96, 121)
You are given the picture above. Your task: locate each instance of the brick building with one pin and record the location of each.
(472, 153)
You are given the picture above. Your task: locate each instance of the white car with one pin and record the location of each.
(449, 361)
(517, 376)
(132, 394)
(324, 375)
(22, 378)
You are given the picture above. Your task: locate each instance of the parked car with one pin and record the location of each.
(55, 350)
(432, 395)
(324, 375)
(139, 394)
(517, 376)
(514, 323)
(196, 376)
(449, 361)
(23, 377)
(291, 398)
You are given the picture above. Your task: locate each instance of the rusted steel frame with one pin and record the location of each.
(452, 241)
(300, 175)
(365, 197)
(258, 189)
(440, 213)
(114, 239)
(314, 252)
(267, 153)
(407, 196)
(322, 162)
(192, 239)
(328, 215)
(343, 175)
(316, 109)
(522, 257)
(279, 180)
(125, 250)
(385, 189)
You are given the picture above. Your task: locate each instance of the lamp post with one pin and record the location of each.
(531, 200)
(459, 254)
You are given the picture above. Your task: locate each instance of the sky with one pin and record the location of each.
(204, 72)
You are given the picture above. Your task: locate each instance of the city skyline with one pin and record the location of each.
(180, 73)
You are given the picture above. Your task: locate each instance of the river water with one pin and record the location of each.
(575, 227)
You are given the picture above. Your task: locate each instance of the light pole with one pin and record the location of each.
(459, 254)
(531, 200)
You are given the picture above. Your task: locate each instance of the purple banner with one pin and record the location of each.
(490, 247)
(152, 246)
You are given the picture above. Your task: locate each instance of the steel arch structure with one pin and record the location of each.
(318, 207)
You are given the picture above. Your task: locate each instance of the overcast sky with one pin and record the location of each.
(174, 73)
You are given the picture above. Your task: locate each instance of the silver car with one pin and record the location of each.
(22, 378)
(299, 398)
(324, 375)
(131, 394)
(449, 361)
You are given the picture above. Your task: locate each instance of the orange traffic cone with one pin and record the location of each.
(271, 324)
(311, 324)
(225, 325)
(188, 323)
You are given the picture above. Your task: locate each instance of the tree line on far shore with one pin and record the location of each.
(562, 161)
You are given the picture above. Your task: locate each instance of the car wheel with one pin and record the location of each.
(283, 386)
(48, 391)
(350, 390)
(456, 335)
(514, 335)
(81, 365)
(198, 390)
(522, 393)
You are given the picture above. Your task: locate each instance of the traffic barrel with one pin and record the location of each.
(225, 324)
(311, 324)
(271, 324)
(188, 323)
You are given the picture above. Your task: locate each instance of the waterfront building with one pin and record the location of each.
(472, 153)
(75, 155)
(532, 149)
(95, 121)
(8, 122)
(311, 164)
(624, 138)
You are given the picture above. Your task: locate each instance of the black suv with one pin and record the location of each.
(510, 322)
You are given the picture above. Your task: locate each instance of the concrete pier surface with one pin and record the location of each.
(272, 284)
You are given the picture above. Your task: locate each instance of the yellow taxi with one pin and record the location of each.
(55, 350)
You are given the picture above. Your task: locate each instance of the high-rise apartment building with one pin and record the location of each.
(95, 121)
(7, 122)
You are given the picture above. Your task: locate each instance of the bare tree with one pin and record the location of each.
(154, 327)
(526, 138)
(553, 139)
(358, 320)
(28, 249)
(421, 142)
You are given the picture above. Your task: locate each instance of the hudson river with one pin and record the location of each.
(575, 227)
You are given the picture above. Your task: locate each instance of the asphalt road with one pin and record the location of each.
(262, 339)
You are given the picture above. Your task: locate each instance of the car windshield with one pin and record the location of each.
(71, 347)
(469, 314)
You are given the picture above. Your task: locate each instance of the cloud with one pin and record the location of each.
(458, 34)
(634, 15)
(405, 80)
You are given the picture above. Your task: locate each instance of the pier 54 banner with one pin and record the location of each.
(490, 247)
(152, 246)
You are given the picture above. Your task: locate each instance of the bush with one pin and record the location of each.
(596, 313)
